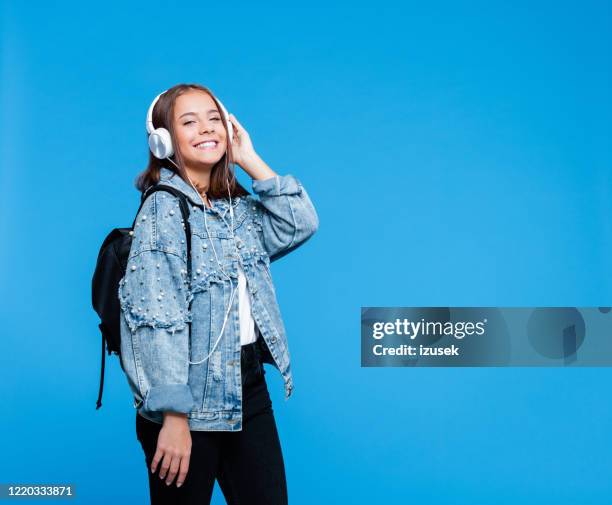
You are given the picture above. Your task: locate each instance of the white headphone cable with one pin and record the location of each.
(233, 290)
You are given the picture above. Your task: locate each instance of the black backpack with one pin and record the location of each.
(110, 268)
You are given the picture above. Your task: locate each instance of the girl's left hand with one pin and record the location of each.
(242, 147)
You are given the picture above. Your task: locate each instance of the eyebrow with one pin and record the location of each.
(195, 113)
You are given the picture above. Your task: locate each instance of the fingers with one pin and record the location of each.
(183, 471)
(159, 454)
(165, 466)
(171, 465)
(174, 468)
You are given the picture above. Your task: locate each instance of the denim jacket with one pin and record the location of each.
(161, 332)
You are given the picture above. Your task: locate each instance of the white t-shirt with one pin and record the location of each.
(247, 323)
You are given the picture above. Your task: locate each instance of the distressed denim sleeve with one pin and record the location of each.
(155, 297)
(289, 217)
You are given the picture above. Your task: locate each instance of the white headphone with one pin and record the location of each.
(160, 144)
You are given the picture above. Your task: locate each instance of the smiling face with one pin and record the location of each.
(199, 130)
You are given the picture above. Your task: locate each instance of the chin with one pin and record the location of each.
(213, 160)
(203, 160)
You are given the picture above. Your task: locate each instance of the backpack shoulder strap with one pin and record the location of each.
(184, 206)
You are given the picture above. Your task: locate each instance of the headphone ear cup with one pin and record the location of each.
(160, 143)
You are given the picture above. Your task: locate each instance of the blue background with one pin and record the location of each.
(457, 154)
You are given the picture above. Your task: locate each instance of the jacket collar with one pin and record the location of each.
(171, 178)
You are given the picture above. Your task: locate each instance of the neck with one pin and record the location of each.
(200, 177)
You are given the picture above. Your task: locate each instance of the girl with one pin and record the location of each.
(194, 336)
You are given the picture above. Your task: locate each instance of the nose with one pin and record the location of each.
(208, 126)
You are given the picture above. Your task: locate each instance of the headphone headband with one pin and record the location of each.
(149, 122)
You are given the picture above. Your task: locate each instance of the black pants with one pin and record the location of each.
(248, 464)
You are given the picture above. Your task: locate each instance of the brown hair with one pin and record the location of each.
(223, 171)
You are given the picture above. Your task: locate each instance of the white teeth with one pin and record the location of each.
(207, 145)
